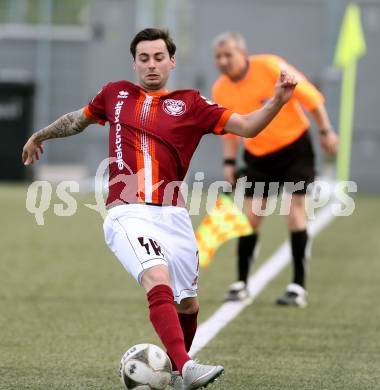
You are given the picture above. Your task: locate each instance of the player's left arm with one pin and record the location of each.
(251, 124)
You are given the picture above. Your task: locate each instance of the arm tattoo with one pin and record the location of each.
(68, 124)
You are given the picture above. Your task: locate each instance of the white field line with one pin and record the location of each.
(256, 283)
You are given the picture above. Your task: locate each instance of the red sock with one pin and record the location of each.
(164, 318)
(189, 327)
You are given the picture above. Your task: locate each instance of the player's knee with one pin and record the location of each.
(154, 277)
(188, 306)
(249, 206)
(255, 221)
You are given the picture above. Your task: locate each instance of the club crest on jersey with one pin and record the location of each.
(123, 94)
(174, 107)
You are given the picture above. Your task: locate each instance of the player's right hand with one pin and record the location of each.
(230, 174)
(32, 151)
(285, 87)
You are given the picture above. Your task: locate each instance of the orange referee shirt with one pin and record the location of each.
(255, 89)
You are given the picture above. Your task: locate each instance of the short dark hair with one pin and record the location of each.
(152, 34)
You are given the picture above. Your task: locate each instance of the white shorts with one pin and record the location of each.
(142, 236)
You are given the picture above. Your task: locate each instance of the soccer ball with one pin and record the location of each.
(145, 367)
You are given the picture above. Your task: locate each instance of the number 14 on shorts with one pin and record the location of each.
(148, 249)
(149, 244)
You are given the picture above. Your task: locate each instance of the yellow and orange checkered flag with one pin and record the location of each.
(225, 222)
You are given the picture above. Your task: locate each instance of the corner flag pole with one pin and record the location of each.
(351, 46)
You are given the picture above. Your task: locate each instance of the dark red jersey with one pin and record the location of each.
(152, 138)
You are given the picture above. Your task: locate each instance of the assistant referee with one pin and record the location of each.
(282, 153)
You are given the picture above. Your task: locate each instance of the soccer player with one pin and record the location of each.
(153, 135)
(282, 153)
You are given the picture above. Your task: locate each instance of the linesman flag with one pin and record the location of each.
(351, 46)
(225, 221)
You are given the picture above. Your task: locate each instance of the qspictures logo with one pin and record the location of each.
(197, 196)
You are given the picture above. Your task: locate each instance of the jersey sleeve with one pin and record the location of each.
(96, 109)
(210, 117)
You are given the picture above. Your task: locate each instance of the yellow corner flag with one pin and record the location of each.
(351, 42)
(225, 221)
(351, 46)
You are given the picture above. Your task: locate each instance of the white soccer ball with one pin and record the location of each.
(145, 367)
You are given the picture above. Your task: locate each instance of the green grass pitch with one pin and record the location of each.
(68, 310)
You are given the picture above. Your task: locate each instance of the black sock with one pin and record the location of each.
(299, 242)
(246, 248)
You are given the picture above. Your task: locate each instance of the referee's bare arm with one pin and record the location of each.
(250, 125)
(68, 124)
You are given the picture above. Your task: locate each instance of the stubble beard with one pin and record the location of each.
(153, 85)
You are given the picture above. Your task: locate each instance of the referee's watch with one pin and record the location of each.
(323, 132)
(229, 161)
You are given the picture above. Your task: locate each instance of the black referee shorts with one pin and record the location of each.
(291, 164)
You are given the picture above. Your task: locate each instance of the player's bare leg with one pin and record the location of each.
(155, 276)
(188, 306)
(297, 223)
(247, 248)
(251, 204)
(297, 215)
